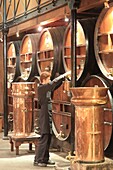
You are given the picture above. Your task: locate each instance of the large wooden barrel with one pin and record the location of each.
(36, 107)
(103, 42)
(28, 50)
(108, 108)
(13, 54)
(23, 94)
(61, 115)
(49, 51)
(84, 49)
(61, 109)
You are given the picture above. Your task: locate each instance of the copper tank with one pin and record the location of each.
(23, 94)
(89, 123)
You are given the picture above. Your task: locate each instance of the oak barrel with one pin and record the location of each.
(61, 115)
(98, 81)
(36, 107)
(13, 52)
(103, 42)
(49, 51)
(23, 94)
(28, 50)
(84, 49)
(61, 111)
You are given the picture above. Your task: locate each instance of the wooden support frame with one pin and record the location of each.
(27, 14)
(87, 5)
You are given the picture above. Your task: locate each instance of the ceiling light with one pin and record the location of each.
(17, 34)
(66, 19)
(40, 28)
(106, 4)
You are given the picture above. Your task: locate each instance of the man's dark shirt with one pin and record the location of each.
(45, 113)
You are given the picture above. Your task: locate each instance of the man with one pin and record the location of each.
(45, 117)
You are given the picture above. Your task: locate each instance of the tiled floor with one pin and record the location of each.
(24, 161)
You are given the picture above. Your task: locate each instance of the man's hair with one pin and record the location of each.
(44, 75)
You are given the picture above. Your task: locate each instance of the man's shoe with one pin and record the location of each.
(35, 163)
(50, 162)
(41, 164)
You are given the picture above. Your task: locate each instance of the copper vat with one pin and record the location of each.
(23, 94)
(89, 123)
(99, 81)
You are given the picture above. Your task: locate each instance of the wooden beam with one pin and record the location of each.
(90, 4)
(45, 19)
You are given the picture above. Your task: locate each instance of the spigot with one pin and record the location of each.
(72, 158)
(25, 110)
(61, 134)
(69, 156)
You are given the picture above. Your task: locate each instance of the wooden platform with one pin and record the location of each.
(18, 140)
